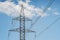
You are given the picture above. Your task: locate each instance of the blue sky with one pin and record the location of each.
(53, 33)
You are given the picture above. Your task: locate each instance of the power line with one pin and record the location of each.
(49, 4)
(34, 22)
(49, 26)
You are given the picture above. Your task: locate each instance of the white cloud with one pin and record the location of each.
(28, 1)
(9, 0)
(56, 13)
(49, 9)
(11, 9)
(8, 8)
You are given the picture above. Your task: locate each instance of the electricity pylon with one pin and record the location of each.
(22, 30)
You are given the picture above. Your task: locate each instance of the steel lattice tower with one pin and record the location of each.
(22, 24)
(21, 29)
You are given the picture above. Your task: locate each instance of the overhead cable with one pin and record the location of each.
(49, 4)
(49, 26)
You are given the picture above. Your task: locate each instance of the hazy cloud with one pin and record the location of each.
(14, 10)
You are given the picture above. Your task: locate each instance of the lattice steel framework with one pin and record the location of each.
(22, 24)
(21, 30)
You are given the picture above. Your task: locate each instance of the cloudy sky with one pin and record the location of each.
(47, 27)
